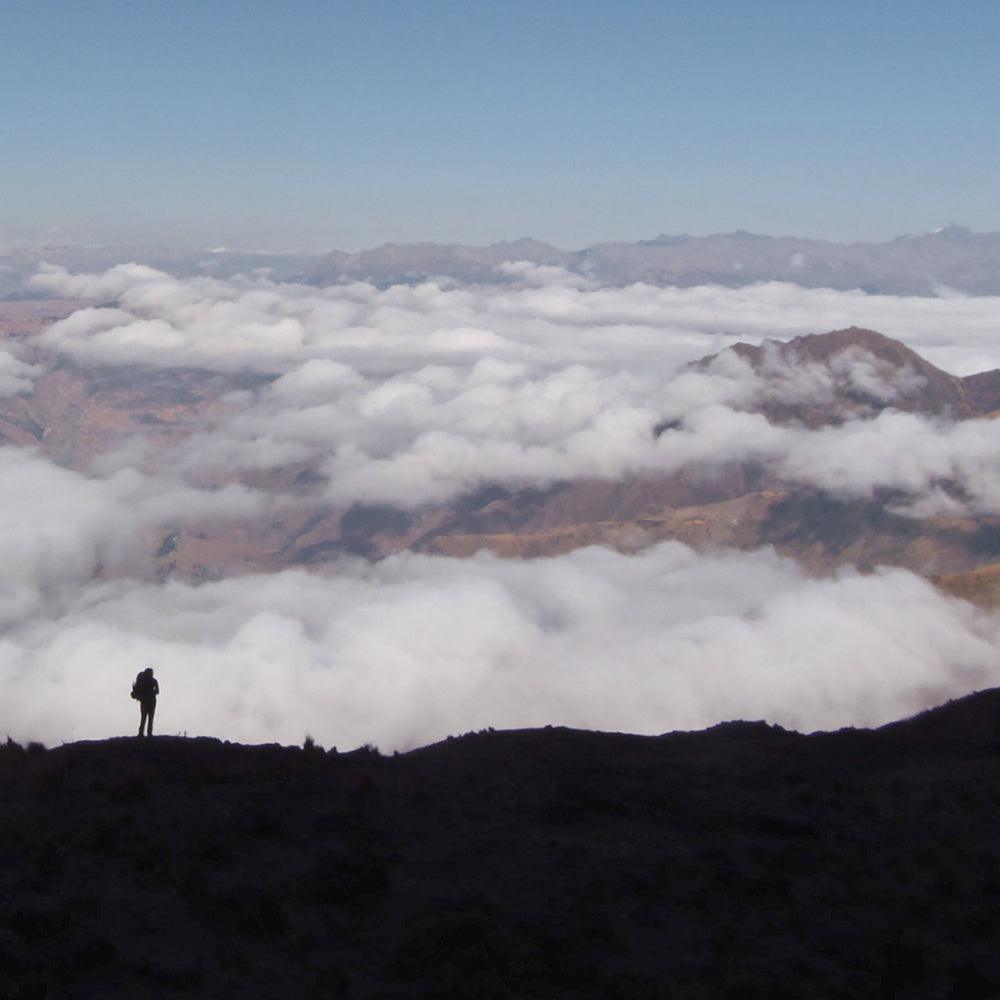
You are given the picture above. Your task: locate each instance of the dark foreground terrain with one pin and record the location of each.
(744, 862)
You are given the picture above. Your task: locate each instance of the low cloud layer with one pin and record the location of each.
(552, 318)
(416, 647)
(60, 529)
(416, 395)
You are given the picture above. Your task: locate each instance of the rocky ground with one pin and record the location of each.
(744, 861)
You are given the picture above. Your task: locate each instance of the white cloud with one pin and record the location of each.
(903, 452)
(266, 326)
(59, 529)
(432, 434)
(412, 395)
(416, 647)
(16, 377)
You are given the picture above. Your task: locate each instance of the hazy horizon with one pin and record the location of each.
(149, 243)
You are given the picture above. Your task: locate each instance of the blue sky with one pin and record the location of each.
(314, 125)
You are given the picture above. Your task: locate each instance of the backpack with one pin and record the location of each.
(135, 687)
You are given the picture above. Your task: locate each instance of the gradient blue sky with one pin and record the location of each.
(318, 125)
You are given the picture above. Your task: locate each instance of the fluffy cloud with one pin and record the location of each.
(59, 529)
(412, 395)
(433, 434)
(16, 377)
(253, 323)
(901, 451)
(416, 647)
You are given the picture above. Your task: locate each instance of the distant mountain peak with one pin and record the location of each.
(666, 240)
(825, 345)
(893, 375)
(953, 231)
(745, 234)
(953, 257)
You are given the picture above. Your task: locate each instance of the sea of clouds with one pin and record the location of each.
(414, 395)
(416, 647)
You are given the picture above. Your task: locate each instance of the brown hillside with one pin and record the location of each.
(926, 389)
(980, 586)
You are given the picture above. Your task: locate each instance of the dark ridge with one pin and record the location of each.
(809, 516)
(29, 426)
(359, 529)
(363, 520)
(330, 548)
(985, 541)
(168, 545)
(490, 509)
(742, 861)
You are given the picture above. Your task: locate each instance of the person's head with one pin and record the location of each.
(148, 671)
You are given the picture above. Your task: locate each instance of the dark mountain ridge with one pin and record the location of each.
(742, 861)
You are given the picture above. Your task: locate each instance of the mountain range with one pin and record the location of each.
(953, 257)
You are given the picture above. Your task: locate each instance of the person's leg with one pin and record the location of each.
(149, 720)
(142, 718)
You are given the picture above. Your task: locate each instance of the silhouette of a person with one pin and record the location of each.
(144, 690)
